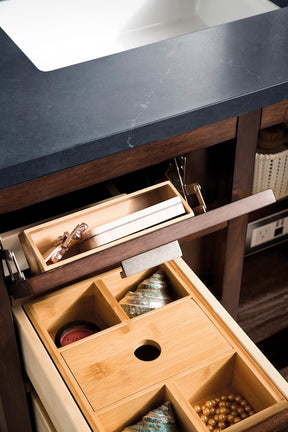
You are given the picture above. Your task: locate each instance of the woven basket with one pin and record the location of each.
(271, 172)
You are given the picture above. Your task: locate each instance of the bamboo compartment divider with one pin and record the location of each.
(199, 353)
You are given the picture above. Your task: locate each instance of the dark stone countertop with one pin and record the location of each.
(54, 120)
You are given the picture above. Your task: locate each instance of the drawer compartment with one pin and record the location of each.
(126, 354)
(227, 375)
(185, 352)
(131, 410)
(108, 222)
(229, 378)
(95, 300)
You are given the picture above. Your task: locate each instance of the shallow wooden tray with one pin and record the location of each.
(134, 222)
(126, 216)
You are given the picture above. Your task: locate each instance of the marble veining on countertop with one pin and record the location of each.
(54, 120)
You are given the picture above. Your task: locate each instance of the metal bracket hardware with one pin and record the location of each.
(176, 173)
(195, 189)
(9, 257)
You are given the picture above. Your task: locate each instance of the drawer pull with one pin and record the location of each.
(151, 258)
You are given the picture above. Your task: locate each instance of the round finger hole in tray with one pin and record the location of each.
(148, 351)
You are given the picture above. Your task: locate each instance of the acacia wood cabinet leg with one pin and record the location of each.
(14, 412)
(246, 143)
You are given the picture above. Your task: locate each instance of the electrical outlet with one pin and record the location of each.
(267, 231)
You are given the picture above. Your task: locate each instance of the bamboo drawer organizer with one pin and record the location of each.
(110, 221)
(184, 352)
(199, 353)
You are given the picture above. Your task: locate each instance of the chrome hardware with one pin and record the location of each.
(176, 173)
(9, 257)
(195, 188)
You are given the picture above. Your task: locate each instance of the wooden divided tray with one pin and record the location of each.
(108, 223)
(186, 352)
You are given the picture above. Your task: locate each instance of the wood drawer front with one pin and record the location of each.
(222, 357)
(112, 255)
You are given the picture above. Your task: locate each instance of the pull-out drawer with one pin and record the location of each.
(191, 351)
(185, 352)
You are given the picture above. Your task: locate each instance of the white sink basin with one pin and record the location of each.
(58, 33)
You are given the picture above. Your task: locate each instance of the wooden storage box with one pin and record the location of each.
(108, 222)
(193, 350)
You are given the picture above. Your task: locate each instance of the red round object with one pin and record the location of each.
(74, 335)
(73, 332)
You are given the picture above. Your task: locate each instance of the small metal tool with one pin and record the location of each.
(63, 243)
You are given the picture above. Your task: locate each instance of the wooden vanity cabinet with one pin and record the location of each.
(226, 242)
